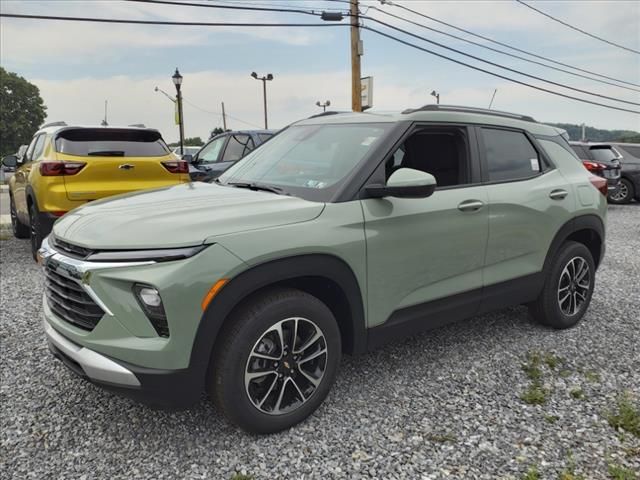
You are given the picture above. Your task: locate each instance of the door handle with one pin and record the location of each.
(558, 194)
(470, 205)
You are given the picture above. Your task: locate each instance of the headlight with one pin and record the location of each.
(156, 255)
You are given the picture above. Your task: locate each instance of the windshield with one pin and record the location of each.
(107, 142)
(310, 161)
(211, 151)
(603, 154)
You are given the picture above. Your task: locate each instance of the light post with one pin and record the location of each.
(323, 105)
(177, 81)
(264, 92)
(437, 95)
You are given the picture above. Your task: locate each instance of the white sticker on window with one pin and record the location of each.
(368, 141)
(535, 165)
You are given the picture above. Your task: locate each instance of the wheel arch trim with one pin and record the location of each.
(576, 224)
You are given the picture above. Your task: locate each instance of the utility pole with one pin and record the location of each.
(492, 97)
(224, 118)
(177, 81)
(356, 52)
(264, 78)
(584, 134)
(104, 121)
(323, 105)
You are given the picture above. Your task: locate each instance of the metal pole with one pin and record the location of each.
(492, 97)
(356, 86)
(264, 91)
(224, 118)
(181, 121)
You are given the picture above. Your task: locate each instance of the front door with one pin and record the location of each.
(422, 250)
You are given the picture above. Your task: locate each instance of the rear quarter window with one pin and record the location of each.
(87, 142)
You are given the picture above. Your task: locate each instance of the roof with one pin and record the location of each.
(591, 144)
(437, 113)
(53, 128)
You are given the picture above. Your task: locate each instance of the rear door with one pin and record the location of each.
(115, 161)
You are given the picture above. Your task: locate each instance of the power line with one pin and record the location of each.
(577, 29)
(197, 107)
(504, 77)
(478, 44)
(513, 70)
(488, 39)
(230, 7)
(229, 24)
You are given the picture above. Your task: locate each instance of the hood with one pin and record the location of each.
(179, 216)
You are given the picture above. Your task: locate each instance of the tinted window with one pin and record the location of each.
(238, 147)
(211, 151)
(264, 136)
(580, 152)
(632, 149)
(111, 142)
(603, 154)
(440, 152)
(29, 153)
(39, 146)
(510, 155)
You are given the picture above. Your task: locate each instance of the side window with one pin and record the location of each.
(29, 153)
(211, 152)
(580, 152)
(238, 147)
(264, 137)
(39, 147)
(510, 155)
(442, 152)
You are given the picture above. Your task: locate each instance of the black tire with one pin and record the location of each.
(35, 230)
(549, 309)
(624, 194)
(20, 230)
(244, 334)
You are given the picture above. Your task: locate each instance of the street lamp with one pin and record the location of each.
(177, 81)
(323, 105)
(437, 95)
(264, 91)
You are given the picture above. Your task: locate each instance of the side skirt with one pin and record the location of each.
(412, 320)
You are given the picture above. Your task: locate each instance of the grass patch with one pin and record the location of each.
(577, 393)
(565, 373)
(621, 473)
(626, 417)
(532, 474)
(5, 235)
(592, 376)
(535, 394)
(442, 437)
(551, 418)
(532, 367)
(552, 360)
(241, 476)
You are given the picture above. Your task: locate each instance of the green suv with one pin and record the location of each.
(343, 232)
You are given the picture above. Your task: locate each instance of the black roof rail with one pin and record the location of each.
(138, 125)
(456, 108)
(54, 124)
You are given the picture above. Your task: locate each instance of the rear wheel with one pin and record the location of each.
(624, 193)
(35, 230)
(568, 288)
(276, 362)
(20, 230)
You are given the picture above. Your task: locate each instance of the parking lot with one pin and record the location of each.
(446, 404)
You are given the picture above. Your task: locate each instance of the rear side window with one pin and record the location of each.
(603, 154)
(111, 142)
(510, 155)
(39, 147)
(580, 152)
(264, 136)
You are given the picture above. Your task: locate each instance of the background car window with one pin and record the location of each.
(632, 149)
(264, 136)
(441, 152)
(603, 154)
(29, 153)
(580, 152)
(510, 155)
(211, 151)
(111, 142)
(39, 146)
(238, 147)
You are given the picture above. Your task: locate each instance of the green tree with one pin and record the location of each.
(216, 131)
(22, 111)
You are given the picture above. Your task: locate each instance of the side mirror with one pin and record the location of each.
(187, 157)
(10, 161)
(405, 183)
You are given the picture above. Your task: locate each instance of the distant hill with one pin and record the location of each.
(599, 135)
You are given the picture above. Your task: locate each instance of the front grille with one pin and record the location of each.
(69, 301)
(73, 251)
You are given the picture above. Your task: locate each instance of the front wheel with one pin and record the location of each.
(624, 193)
(568, 287)
(35, 230)
(19, 229)
(276, 361)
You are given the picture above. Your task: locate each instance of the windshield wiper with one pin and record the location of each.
(256, 186)
(107, 153)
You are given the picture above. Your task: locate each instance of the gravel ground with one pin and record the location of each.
(441, 405)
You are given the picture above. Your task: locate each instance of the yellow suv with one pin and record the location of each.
(67, 166)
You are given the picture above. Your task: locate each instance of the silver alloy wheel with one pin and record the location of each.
(574, 285)
(621, 193)
(285, 366)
